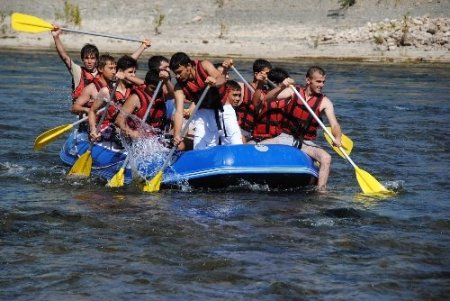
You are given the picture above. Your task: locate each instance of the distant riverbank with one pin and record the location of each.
(406, 31)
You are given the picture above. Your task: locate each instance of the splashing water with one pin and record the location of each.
(147, 153)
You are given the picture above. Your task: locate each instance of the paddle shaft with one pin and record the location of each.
(85, 118)
(100, 34)
(323, 126)
(158, 87)
(243, 79)
(102, 118)
(185, 129)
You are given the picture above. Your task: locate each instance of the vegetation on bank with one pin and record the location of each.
(70, 14)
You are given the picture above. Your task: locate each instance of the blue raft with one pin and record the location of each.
(277, 166)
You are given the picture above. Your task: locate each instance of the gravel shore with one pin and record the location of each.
(369, 30)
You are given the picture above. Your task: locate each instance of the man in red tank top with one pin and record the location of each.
(83, 75)
(192, 78)
(315, 81)
(107, 70)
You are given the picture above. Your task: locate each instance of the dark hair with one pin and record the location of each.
(277, 75)
(314, 69)
(232, 85)
(126, 62)
(218, 65)
(151, 78)
(179, 59)
(155, 61)
(89, 49)
(104, 58)
(260, 64)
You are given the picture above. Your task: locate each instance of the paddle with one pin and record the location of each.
(242, 78)
(119, 178)
(347, 144)
(32, 24)
(154, 184)
(366, 181)
(51, 135)
(83, 166)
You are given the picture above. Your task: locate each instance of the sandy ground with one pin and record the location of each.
(272, 29)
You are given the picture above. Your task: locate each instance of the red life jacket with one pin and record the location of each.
(270, 119)
(86, 78)
(114, 109)
(193, 89)
(157, 116)
(246, 112)
(98, 85)
(299, 122)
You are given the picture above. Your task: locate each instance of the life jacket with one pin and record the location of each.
(193, 89)
(299, 122)
(86, 78)
(246, 112)
(157, 116)
(114, 109)
(270, 119)
(98, 85)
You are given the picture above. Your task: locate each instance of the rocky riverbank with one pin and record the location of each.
(369, 30)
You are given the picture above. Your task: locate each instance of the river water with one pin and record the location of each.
(77, 240)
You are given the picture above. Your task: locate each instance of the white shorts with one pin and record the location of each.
(206, 132)
(287, 139)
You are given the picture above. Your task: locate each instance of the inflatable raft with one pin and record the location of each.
(277, 166)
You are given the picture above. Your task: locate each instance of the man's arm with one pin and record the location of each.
(281, 91)
(214, 73)
(60, 47)
(80, 104)
(146, 43)
(178, 115)
(327, 106)
(259, 96)
(133, 79)
(92, 118)
(131, 104)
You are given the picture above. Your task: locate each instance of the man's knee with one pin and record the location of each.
(325, 158)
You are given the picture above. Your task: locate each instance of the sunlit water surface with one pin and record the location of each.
(65, 239)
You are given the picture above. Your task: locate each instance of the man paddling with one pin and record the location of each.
(192, 79)
(299, 127)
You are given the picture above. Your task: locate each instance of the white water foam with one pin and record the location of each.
(147, 153)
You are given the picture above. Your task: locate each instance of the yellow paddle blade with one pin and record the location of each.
(118, 179)
(83, 166)
(27, 23)
(50, 135)
(154, 184)
(347, 143)
(368, 183)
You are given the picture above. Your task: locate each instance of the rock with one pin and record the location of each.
(406, 40)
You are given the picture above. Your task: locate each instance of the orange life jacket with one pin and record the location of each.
(246, 112)
(157, 116)
(114, 109)
(299, 122)
(193, 89)
(86, 78)
(270, 119)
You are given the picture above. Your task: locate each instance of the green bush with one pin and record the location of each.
(346, 3)
(71, 14)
